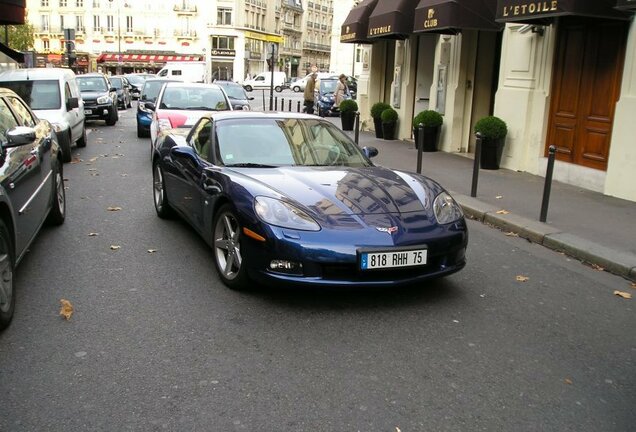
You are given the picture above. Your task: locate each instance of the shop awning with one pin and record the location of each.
(13, 12)
(392, 19)
(145, 58)
(15, 55)
(533, 10)
(452, 16)
(626, 5)
(356, 25)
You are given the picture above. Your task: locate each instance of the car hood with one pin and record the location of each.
(181, 118)
(329, 191)
(93, 95)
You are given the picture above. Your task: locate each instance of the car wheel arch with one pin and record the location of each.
(6, 217)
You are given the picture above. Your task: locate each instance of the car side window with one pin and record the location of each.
(7, 120)
(67, 92)
(202, 139)
(24, 115)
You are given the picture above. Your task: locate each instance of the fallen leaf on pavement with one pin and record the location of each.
(115, 247)
(623, 294)
(93, 159)
(124, 175)
(633, 285)
(499, 196)
(521, 278)
(95, 174)
(152, 250)
(67, 309)
(93, 234)
(597, 267)
(113, 208)
(512, 234)
(568, 381)
(76, 160)
(92, 169)
(504, 212)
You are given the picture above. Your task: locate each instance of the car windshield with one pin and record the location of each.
(328, 86)
(277, 142)
(116, 82)
(39, 95)
(92, 84)
(198, 98)
(151, 90)
(234, 91)
(137, 79)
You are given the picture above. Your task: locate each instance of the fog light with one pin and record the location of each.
(105, 112)
(287, 267)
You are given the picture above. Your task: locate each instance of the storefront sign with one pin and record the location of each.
(376, 31)
(347, 34)
(222, 53)
(528, 8)
(431, 21)
(264, 37)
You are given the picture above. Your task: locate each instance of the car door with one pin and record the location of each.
(22, 174)
(75, 115)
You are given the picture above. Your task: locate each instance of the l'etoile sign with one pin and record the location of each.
(527, 8)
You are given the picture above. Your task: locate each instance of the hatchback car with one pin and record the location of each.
(288, 198)
(31, 188)
(136, 81)
(325, 98)
(237, 95)
(100, 98)
(180, 105)
(122, 86)
(149, 93)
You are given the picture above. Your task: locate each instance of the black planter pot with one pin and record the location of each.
(388, 131)
(431, 137)
(491, 152)
(348, 119)
(377, 123)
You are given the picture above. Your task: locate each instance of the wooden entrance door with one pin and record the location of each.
(585, 88)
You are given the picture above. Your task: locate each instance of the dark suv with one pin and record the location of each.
(100, 98)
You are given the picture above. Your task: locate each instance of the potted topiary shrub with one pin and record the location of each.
(493, 132)
(348, 109)
(432, 122)
(389, 119)
(376, 112)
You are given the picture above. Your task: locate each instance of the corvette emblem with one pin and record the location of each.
(389, 230)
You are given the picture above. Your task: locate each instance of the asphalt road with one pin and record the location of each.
(158, 343)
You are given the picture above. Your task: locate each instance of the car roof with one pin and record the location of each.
(246, 115)
(225, 82)
(35, 74)
(191, 84)
(92, 75)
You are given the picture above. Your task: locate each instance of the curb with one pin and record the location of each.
(616, 262)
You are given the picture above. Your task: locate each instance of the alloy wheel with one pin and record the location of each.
(227, 248)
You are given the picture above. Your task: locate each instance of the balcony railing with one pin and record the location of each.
(190, 34)
(185, 8)
(316, 47)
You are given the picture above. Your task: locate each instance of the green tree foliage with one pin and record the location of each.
(20, 37)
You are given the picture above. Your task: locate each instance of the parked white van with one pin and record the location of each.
(53, 94)
(191, 71)
(264, 80)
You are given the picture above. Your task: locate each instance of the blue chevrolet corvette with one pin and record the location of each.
(289, 198)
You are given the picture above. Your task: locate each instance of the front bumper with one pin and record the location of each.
(100, 112)
(326, 264)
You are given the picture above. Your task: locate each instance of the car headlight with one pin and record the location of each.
(164, 123)
(282, 214)
(104, 100)
(446, 209)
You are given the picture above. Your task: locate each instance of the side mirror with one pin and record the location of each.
(20, 135)
(370, 152)
(150, 106)
(250, 98)
(113, 89)
(71, 103)
(183, 152)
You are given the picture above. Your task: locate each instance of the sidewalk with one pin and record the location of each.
(586, 225)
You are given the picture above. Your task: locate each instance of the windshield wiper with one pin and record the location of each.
(250, 165)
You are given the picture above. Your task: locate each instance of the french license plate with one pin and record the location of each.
(393, 259)
(88, 111)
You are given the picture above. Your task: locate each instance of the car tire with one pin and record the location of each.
(82, 141)
(162, 206)
(65, 144)
(227, 248)
(129, 103)
(141, 133)
(296, 89)
(58, 206)
(7, 289)
(248, 88)
(112, 117)
(278, 89)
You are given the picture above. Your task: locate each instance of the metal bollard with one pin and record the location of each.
(420, 146)
(473, 189)
(290, 102)
(263, 94)
(282, 104)
(298, 107)
(357, 139)
(548, 184)
(276, 103)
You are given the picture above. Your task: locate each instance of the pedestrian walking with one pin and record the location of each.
(309, 94)
(342, 90)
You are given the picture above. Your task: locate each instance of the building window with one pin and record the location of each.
(110, 23)
(46, 45)
(63, 3)
(222, 42)
(96, 4)
(129, 24)
(79, 3)
(79, 23)
(45, 22)
(44, 3)
(62, 22)
(224, 16)
(96, 26)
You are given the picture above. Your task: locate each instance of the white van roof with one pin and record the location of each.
(36, 74)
